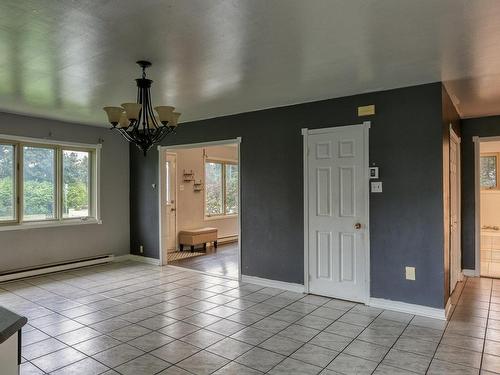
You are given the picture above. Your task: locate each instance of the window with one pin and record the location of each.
(39, 183)
(489, 170)
(221, 188)
(7, 183)
(76, 183)
(47, 183)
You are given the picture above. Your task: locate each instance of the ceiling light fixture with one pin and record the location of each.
(137, 121)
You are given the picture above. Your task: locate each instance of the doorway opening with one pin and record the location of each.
(488, 210)
(200, 207)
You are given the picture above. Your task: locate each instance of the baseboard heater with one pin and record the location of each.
(227, 239)
(54, 267)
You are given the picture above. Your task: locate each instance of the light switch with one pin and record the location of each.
(410, 273)
(376, 187)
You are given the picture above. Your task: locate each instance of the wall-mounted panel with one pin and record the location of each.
(324, 191)
(324, 255)
(347, 191)
(347, 257)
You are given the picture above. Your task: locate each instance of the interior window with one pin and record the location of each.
(489, 166)
(231, 177)
(45, 182)
(213, 189)
(39, 183)
(221, 188)
(76, 184)
(7, 183)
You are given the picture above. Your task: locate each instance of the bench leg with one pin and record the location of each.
(181, 247)
(215, 244)
(192, 248)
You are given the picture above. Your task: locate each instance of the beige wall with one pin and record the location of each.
(190, 204)
(490, 199)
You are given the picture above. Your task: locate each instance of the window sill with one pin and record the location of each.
(220, 217)
(490, 191)
(48, 224)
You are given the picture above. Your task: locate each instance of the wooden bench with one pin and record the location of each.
(197, 236)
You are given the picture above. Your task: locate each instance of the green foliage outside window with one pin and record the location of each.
(221, 188)
(39, 183)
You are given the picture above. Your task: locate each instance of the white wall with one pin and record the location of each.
(190, 204)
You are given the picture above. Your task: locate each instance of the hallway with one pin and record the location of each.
(472, 336)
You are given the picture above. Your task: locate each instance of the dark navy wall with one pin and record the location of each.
(481, 127)
(406, 219)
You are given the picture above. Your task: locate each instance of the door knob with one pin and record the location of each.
(357, 226)
(172, 209)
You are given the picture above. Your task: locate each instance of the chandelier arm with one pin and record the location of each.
(125, 135)
(159, 135)
(150, 109)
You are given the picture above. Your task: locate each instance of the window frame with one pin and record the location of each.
(15, 179)
(223, 162)
(497, 156)
(94, 151)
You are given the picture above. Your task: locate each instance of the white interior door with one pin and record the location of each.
(455, 253)
(171, 202)
(337, 176)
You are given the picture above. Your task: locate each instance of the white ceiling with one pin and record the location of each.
(66, 59)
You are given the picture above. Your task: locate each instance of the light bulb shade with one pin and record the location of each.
(164, 113)
(175, 119)
(114, 114)
(123, 123)
(132, 110)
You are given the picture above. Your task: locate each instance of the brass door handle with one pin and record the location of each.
(357, 226)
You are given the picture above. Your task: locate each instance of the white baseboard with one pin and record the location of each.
(409, 308)
(137, 258)
(469, 272)
(56, 268)
(298, 288)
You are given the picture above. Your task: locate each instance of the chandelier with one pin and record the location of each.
(137, 121)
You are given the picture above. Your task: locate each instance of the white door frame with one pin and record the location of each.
(458, 140)
(175, 192)
(305, 133)
(162, 151)
(477, 199)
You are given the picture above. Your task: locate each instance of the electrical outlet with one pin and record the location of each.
(410, 273)
(141, 249)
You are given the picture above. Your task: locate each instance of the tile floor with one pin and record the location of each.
(132, 318)
(223, 261)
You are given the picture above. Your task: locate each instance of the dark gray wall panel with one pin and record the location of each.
(481, 127)
(406, 219)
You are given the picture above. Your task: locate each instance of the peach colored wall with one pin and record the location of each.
(490, 199)
(190, 204)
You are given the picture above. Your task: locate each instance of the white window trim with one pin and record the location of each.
(95, 197)
(223, 216)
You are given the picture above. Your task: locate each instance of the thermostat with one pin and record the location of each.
(373, 172)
